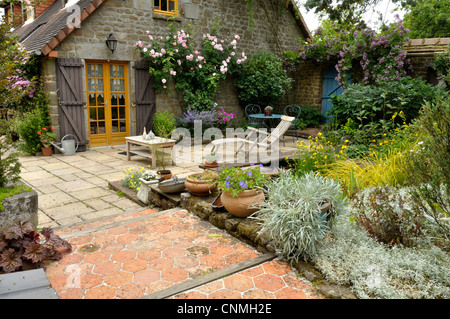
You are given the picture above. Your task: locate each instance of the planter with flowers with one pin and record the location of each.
(268, 110)
(241, 189)
(147, 178)
(46, 136)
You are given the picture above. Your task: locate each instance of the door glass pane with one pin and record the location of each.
(122, 126)
(93, 127)
(91, 85)
(91, 70)
(92, 114)
(114, 113)
(121, 99)
(121, 85)
(113, 85)
(112, 71)
(91, 99)
(100, 100)
(171, 5)
(101, 113)
(120, 71)
(113, 98)
(101, 127)
(121, 112)
(99, 85)
(115, 126)
(99, 69)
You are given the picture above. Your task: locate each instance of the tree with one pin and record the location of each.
(428, 19)
(348, 12)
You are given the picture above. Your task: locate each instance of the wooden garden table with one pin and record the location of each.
(151, 145)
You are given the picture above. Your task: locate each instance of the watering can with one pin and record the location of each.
(67, 146)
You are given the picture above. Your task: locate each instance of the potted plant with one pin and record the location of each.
(46, 136)
(241, 189)
(202, 184)
(161, 159)
(268, 110)
(211, 160)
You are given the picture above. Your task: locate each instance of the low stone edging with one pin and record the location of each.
(20, 208)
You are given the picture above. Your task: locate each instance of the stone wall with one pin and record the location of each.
(274, 30)
(421, 52)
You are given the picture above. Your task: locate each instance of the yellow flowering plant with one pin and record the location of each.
(316, 154)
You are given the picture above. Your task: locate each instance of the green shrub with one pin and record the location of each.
(9, 159)
(429, 174)
(292, 217)
(27, 125)
(311, 116)
(262, 79)
(163, 123)
(378, 109)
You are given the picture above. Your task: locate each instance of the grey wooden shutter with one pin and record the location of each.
(69, 79)
(145, 97)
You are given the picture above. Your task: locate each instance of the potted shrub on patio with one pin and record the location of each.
(242, 189)
(47, 136)
(202, 184)
(211, 160)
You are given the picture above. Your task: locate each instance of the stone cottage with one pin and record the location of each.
(102, 93)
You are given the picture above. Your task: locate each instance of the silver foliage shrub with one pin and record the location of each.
(291, 215)
(350, 256)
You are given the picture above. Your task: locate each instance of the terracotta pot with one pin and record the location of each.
(47, 151)
(167, 174)
(198, 188)
(211, 164)
(239, 205)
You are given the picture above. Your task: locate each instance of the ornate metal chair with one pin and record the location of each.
(253, 109)
(294, 111)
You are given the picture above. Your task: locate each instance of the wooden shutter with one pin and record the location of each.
(145, 97)
(69, 81)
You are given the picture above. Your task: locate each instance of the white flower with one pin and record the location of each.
(163, 80)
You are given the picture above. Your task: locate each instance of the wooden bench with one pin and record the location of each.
(29, 284)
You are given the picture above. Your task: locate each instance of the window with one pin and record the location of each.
(167, 7)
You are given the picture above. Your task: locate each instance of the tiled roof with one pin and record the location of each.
(51, 27)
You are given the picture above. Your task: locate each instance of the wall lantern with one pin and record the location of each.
(111, 43)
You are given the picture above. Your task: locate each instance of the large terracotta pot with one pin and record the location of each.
(198, 188)
(239, 205)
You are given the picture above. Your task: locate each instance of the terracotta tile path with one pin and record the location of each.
(147, 253)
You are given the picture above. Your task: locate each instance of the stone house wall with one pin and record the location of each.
(274, 30)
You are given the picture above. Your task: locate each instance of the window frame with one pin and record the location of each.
(167, 13)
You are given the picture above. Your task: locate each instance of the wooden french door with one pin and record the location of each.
(107, 102)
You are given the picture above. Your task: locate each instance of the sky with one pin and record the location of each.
(385, 7)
